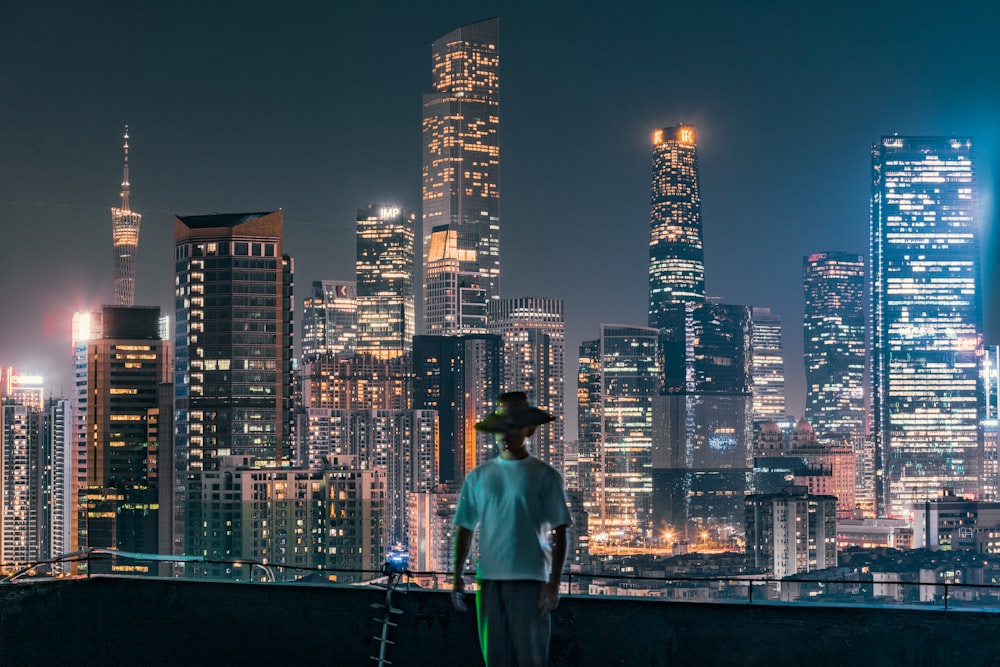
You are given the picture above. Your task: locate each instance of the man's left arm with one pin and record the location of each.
(550, 591)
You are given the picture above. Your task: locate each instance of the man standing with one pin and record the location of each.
(517, 502)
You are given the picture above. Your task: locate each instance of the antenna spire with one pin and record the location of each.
(125, 183)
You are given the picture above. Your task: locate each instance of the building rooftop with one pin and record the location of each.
(220, 219)
(117, 620)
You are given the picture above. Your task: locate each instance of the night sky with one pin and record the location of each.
(315, 108)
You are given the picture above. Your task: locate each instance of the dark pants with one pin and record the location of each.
(512, 630)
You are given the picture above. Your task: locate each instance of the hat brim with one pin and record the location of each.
(504, 423)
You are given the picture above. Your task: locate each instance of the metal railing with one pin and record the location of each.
(752, 589)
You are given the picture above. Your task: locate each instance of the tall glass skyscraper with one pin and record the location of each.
(702, 426)
(384, 270)
(618, 381)
(461, 163)
(927, 320)
(676, 255)
(834, 342)
(125, 234)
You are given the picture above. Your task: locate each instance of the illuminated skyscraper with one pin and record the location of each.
(768, 366)
(127, 365)
(18, 485)
(233, 289)
(533, 334)
(330, 318)
(86, 327)
(834, 333)
(58, 480)
(676, 256)
(385, 266)
(461, 163)
(927, 320)
(125, 232)
(702, 427)
(460, 377)
(619, 379)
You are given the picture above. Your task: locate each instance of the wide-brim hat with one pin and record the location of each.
(513, 414)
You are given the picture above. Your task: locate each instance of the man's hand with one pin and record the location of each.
(463, 541)
(549, 598)
(458, 594)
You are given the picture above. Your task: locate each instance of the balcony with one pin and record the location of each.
(147, 621)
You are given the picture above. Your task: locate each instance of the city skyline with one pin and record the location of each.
(579, 234)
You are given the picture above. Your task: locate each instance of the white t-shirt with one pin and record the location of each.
(515, 504)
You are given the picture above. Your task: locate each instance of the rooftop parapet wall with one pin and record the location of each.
(115, 621)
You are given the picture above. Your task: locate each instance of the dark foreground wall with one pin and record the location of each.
(114, 621)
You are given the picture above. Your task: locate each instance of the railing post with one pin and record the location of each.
(750, 601)
(946, 595)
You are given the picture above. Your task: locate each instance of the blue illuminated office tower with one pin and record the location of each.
(927, 320)
(702, 427)
(617, 382)
(834, 342)
(461, 165)
(384, 270)
(676, 255)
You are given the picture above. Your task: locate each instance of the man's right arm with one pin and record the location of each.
(463, 542)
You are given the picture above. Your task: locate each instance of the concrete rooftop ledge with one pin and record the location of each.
(120, 621)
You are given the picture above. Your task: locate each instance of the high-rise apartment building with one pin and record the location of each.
(292, 520)
(461, 164)
(927, 342)
(533, 332)
(834, 342)
(385, 280)
(330, 318)
(768, 366)
(233, 290)
(86, 327)
(401, 443)
(58, 452)
(676, 255)
(19, 488)
(125, 234)
(460, 377)
(619, 378)
(791, 531)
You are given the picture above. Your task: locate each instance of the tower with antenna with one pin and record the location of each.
(125, 233)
